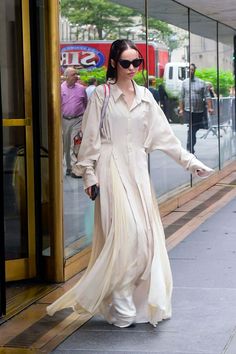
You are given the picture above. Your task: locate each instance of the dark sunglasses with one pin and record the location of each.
(126, 63)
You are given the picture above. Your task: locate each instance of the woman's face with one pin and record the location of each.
(127, 73)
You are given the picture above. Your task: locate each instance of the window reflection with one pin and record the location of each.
(175, 19)
(15, 200)
(227, 95)
(14, 140)
(84, 48)
(168, 57)
(11, 59)
(203, 54)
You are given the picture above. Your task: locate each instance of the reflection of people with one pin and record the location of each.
(152, 88)
(163, 98)
(73, 104)
(210, 89)
(232, 91)
(92, 83)
(194, 110)
(159, 94)
(128, 278)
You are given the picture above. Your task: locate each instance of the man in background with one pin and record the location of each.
(192, 105)
(73, 104)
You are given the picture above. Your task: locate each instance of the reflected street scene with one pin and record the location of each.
(181, 55)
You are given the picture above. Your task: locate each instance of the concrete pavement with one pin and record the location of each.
(204, 301)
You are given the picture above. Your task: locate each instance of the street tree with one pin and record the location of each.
(109, 18)
(112, 20)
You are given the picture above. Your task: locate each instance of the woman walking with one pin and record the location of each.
(129, 278)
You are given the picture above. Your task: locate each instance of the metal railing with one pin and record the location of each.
(222, 120)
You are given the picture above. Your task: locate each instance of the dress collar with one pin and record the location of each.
(141, 93)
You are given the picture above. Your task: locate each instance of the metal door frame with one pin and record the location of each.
(24, 268)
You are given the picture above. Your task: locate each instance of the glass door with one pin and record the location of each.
(17, 151)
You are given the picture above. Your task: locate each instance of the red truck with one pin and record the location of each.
(94, 54)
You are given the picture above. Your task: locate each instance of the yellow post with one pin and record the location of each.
(55, 142)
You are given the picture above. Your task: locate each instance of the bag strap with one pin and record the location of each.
(105, 103)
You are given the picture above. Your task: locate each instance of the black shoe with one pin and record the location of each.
(73, 175)
(132, 325)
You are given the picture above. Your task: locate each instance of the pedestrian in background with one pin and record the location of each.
(152, 88)
(128, 279)
(211, 90)
(163, 99)
(73, 104)
(193, 100)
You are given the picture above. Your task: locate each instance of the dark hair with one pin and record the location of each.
(92, 80)
(117, 48)
(192, 64)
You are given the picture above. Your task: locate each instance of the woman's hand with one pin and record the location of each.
(204, 173)
(89, 191)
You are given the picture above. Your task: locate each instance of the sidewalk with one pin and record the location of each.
(201, 241)
(204, 301)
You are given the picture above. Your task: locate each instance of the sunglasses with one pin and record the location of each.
(126, 63)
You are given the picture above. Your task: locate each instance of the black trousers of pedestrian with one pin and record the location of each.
(195, 122)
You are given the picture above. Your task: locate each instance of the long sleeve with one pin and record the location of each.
(160, 136)
(90, 147)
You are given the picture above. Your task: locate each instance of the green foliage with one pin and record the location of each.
(108, 17)
(98, 73)
(226, 79)
(161, 26)
(165, 33)
(159, 81)
(140, 78)
(111, 20)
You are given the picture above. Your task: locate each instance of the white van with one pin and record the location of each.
(174, 74)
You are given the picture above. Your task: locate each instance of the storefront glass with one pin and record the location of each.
(86, 47)
(166, 174)
(203, 53)
(227, 128)
(176, 38)
(14, 168)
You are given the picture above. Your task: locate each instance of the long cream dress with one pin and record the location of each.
(129, 277)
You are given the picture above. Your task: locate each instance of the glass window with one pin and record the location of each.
(85, 47)
(14, 165)
(171, 20)
(15, 205)
(11, 59)
(202, 138)
(169, 52)
(183, 73)
(226, 94)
